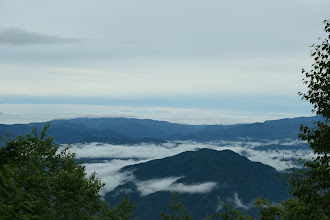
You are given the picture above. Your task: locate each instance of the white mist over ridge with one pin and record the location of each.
(115, 157)
(169, 184)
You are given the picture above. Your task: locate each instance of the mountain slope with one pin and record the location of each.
(236, 180)
(274, 129)
(137, 128)
(77, 130)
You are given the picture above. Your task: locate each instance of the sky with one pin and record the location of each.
(195, 62)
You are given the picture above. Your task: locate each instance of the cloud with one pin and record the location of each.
(108, 171)
(236, 202)
(239, 204)
(16, 36)
(222, 51)
(145, 152)
(168, 184)
(116, 157)
(269, 157)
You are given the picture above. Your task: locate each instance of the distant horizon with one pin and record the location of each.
(36, 113)
(192, 62)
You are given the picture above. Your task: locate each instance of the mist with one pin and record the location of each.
(107, 160)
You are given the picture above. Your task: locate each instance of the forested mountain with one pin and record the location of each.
(274, 129)
(224, 176)
(203, 178)
(121, 130)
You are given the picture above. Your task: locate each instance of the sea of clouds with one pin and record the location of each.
(108, 159)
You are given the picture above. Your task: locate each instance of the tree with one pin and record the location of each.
(229, 213)
(38, 182)
(267, 211)
(311, 185)
(122, 211)
(175, 210)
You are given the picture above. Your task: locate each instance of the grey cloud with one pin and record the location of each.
(194, 29)
(16, 36)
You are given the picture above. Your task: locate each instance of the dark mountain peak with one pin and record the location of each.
(233, 175)
(198, 165)
(210, 151)
(210, 154)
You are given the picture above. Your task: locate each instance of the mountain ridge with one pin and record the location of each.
(76, 130)
(233, 174)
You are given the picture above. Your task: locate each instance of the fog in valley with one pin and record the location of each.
(107, 160)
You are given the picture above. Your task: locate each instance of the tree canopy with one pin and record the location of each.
(37, 181)
(311, 185)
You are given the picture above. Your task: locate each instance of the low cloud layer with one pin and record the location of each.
(16, 36)
(109, 172)
(146, 152)
(114, 157)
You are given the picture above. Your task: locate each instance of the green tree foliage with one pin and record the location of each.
(318, 78)
(229, 213)
(121, 212)
(37, 182)
(267, 211)
(311, 185)
(176, 210)
(289, 209)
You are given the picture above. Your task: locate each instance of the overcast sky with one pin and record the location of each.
(242, 56)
